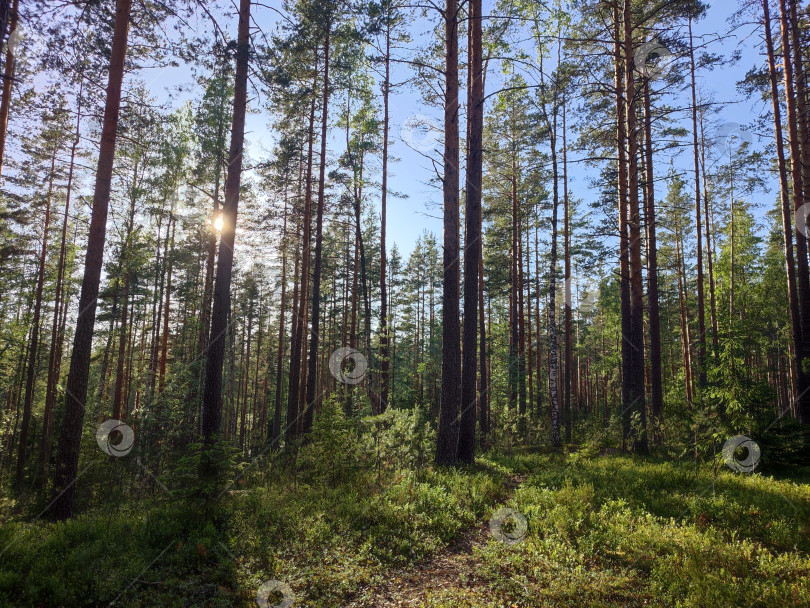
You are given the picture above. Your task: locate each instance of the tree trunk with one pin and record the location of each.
(657, 392)
(709, 248)
(67, 456)
(514, 324)
(299, 313)
(30, 376)
(796, 132)
(4, 15)
(164, 346)
(384, 341)
(795, 317)
(312, 378)
(246, 382)
(538, 354)
(123, 335)
(55, 356)
(567, 286)
(624, 252)
(521, 360)
(637, 395)
(447, 439)
(483, 385)
(8, 80)
(472, 240)
(157, 308)
(211, 254)
(701, 303)
(553, 382)
(530, 339)
(686, 349)
(212, 398)
(553, 360)
(276, 430)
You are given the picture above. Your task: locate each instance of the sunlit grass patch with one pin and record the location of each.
(623, 531)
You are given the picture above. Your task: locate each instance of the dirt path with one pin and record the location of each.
(451, 573)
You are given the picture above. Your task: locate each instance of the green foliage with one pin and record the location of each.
(612, 531)
(400, 440)
(332, 454)
(203, 471)
(622, 532)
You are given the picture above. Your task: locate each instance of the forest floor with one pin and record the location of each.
(452, 573)
(600, 531)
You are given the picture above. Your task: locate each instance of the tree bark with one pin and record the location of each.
(701, 302)
(472, 240)
(790, 265)
(123, 335)
(384, 341)
(567, 286)
(164, 345)
(553, 381)
(55, 355)
(483, 385)
(804, 142)
(796, 127)
(624, 244)
(299, 313)
(30, 376)
(275, 434)
(637, 395)
(657, 391)
(8, 80)
(211, 254)
(212, 398)
(67, 456)
(709, 248)
(312, 378)
(686, 349)
(447, 439)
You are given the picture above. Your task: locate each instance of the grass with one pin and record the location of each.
(621, 531)
(609, 531)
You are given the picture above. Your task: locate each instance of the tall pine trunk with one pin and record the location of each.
(801, 386)
(483, 385)
(701, 302)
(447, 439)
(33, 349)
(164, 344)
(384, 340)
(636, 380)
(312, 378)
(803, 136)
(8, 80)
(299, 308)
(123, 336)
(212, 397)
(796, 124)
(55, 356)
(472, 240)
(624, 244)
(553, 359)
(657, 392)
(275, 434)
(514, 324)
(67, 454)
(567, 286)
